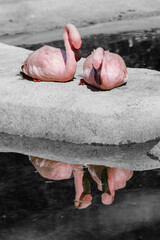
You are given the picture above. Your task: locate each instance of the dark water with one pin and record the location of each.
(138, 49)
(32, 207)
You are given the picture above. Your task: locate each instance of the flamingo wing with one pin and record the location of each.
(46, 63)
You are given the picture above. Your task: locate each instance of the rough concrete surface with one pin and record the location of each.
(80, 115)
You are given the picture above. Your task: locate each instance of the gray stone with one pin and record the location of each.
(155, 152)
(80, 115)
(132, 157)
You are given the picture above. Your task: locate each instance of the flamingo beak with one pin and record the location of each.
(97, 75)
(85, 198)
(104, 180)
(22, 67)
(77, 53)
(86, 183)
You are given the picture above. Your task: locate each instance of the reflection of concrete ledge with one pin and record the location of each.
(134, 156)
(67, 112)
(155, 152)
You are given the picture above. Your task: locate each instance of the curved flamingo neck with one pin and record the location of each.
(71, 40)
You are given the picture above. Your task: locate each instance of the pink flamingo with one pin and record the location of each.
(104, 70)
(54, 64)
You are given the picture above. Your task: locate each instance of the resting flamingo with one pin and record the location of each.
(104, 70)
(54, 64)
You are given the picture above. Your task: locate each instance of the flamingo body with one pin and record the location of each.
(54, 64)
(104, 70)
(51, 169)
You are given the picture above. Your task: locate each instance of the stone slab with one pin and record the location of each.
(74, 113)
(81, 116)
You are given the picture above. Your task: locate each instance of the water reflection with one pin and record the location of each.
(33, 207)
(108, 179)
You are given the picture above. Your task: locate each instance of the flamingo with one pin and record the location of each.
(54, 64)
(104, 70)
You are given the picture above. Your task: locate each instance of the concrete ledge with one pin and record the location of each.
(109, 17)
(77, 114)
(68, 113)
(129, 25)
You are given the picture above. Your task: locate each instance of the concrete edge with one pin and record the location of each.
(132, 157)
(115, 27)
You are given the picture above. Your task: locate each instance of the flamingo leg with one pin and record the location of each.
(82, 82)
(36, 80)
(83, 196)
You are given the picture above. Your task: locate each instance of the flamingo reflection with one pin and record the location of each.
(107, 179)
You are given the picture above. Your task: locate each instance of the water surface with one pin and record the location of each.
(33, 207)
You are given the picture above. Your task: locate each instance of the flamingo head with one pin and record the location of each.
(97, 75)
(77, 53)
(72, 36)
(76, 44)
